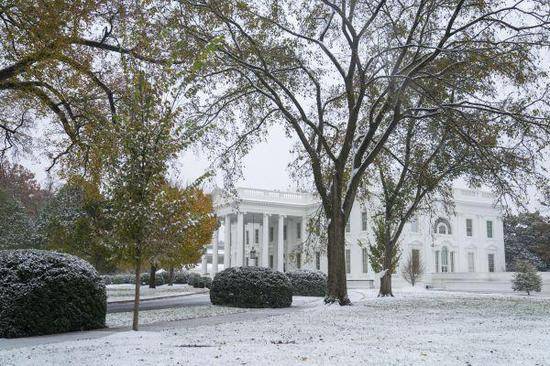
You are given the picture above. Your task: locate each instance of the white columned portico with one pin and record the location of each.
(215, 254)
(265, 241)
(240, 241)
(227, 242)
(280, 244)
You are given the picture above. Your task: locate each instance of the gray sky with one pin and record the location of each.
(264, 167)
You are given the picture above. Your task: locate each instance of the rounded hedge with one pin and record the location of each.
(251, 287)
(45, 292)
(308, 283)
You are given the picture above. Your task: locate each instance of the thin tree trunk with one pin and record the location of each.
(135, 322)
(171, 276)
(336, 283)
(153, 276)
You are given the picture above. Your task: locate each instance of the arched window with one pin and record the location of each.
(442, 226)
(444, 260)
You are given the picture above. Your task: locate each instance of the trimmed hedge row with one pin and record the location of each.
(251, 287)
(161, 278)
(308, 283)
(45, 292)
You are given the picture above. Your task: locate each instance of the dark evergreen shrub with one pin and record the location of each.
(123, 278)
(159, 279)
(107, 279)
(251, 287)
(45, 292)
(181, 277)
(207, 282)
(194, 279)
(308, 283)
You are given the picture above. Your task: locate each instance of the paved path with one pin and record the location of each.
(299, 304)
(163, 303)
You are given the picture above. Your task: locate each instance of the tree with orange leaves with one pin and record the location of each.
(184, 224)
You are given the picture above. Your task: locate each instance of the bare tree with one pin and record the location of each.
(412, 270)
(342, 76)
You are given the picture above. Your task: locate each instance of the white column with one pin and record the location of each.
(265, 242)
(303, 234)
(214, 254)
(280, 244)
(227, 243)
(204, 269)
(240, 241)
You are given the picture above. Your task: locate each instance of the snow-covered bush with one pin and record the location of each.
(194, 279)
(181, 277)
(107, 279)
(159, 279)
(123, 278)
(45, 292)
(308, 283)
(526, 278)
(251, 287)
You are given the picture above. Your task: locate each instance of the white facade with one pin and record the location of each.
(267, 228)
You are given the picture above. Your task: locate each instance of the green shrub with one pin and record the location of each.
(107, 279)
(159, 279)
(251, 287)
(194, 279)
(45, 292)
(308, 283)
(123, 278)
(181, 277)
(526, 278)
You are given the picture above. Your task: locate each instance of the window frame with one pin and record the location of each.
(490, 231)
(491, 265)
(470, 228)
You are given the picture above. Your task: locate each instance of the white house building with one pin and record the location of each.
(268, 228)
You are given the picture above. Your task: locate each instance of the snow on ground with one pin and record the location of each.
(166, 315)
(125, 292)
(415, 327)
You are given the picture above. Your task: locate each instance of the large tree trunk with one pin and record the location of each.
(171, 276)
(135, 322)
(153, 276)
(385, 281)
(337, 287)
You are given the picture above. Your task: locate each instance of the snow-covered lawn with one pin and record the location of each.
(167, 315)
(126, 291)
(414, 328)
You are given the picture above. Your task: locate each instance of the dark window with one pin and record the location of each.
(271, 233)
(247, 237)
(257, 236)
(364, 222)
(271, 261)
(489, 229)
(491, 260)
(348, 261)
(298, 260)
(299, 230)
(469, 227)
(284, 232)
